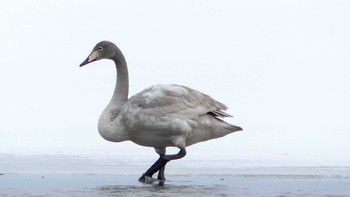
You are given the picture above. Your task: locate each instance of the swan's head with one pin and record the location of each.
(102, 50)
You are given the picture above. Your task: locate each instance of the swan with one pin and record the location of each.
(160, 116)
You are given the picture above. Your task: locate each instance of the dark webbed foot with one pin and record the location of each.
(159, 165)
(147, 179)
(161, 183)
(142, 178)
(153, 169)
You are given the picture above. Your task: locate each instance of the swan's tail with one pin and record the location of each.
(233, 128)
(228, 128)
(210, 128)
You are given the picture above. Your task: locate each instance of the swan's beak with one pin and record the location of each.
(92, 57)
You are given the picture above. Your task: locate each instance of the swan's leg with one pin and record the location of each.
(161, 177)
(161, 162)
(161, 152)
(161, 174)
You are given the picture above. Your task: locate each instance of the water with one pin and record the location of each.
(72, 175)
(198, 185)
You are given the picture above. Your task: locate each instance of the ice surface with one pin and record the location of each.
(91, 175)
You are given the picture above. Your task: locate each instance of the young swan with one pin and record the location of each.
(160, 116)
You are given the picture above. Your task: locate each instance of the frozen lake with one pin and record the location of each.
(193, 185)
(73, 175)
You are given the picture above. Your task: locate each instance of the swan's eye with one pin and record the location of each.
(100, 48)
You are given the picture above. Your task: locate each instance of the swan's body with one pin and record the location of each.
(160, 116)
(163, 116)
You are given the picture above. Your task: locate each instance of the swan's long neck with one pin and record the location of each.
(110, 125)
(121, 91)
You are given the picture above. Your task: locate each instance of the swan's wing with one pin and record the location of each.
(169, 106)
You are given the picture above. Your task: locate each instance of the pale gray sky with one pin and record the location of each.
(282, 67)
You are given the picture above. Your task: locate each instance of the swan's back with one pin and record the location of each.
(171, 113)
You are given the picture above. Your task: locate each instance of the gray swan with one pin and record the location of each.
(161, 116)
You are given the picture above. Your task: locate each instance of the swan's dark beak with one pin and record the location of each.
(84, 62)
(92, 57)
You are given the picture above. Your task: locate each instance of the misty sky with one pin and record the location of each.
(282, 67)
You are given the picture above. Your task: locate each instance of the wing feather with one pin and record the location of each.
(161, 105)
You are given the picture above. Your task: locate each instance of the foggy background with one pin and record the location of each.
(282, 68)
